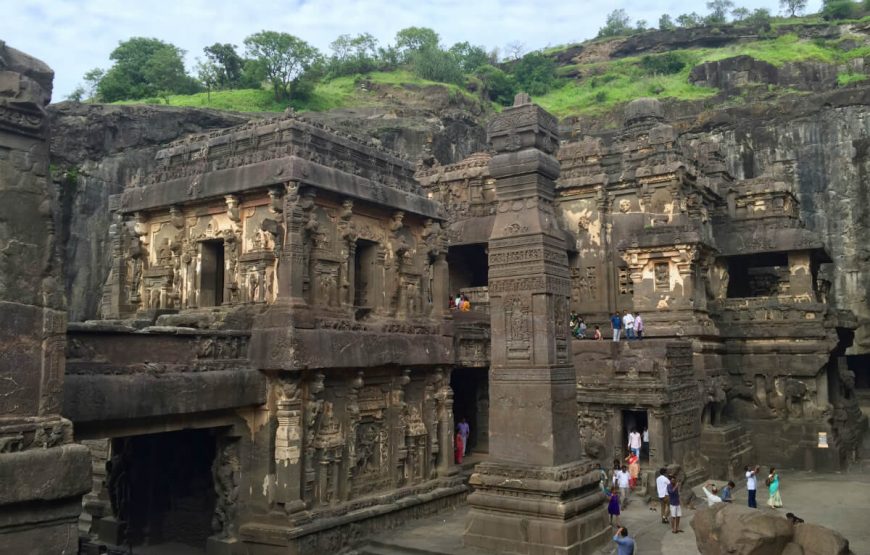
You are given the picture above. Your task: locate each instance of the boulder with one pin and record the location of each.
(818, 540)
(729, 529)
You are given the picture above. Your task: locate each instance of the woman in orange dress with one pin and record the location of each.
(633, 468)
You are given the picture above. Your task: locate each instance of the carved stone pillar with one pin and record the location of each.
(288, 444)
(535, 494)
(291, 267)
(43, 474)
(444, 413)
(379, 277)
(440, 282)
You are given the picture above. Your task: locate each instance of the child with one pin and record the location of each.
(613, 507)
(597, 333)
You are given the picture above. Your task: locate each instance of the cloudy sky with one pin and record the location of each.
(73, 36)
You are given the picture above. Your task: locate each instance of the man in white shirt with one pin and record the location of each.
(662, 491)
(623, 480)
(634, 441)
(711, 496)
(628, 324)
(751, 485)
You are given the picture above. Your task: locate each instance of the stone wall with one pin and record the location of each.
(43, 473)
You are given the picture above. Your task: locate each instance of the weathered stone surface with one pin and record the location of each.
(42, 472)
(818, 540)
(96, 149)
(732, 529)
(737, 530)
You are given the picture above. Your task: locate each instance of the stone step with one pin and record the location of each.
(375, 547)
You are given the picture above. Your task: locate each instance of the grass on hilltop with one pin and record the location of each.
(340, 92)
(603, 85)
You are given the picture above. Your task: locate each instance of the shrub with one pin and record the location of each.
(663, 64)
(535, 73)
(837, 9)
(497, 85)
(435, 64)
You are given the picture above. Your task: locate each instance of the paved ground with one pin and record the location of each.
(840, 501)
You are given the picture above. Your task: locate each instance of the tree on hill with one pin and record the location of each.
(415, 39)
(793, 7)
(690, 20)
(227, 63)
(352, 55)
(666, 23)
(617, 23)
(145, 67)
(837, 9)
(470, 57)
(282, 58)
(740, 14)
(535, 73)
(719, 10)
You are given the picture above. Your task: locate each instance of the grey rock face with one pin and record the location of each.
(96, 150)
(42, 472)
(822, 143)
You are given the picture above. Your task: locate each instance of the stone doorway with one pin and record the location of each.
(634, 419)
(471, 401)
(161, 488)
(468, 267)
(365, 258)
(211, 273)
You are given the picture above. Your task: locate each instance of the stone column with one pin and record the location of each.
(535, 495)
(43, 474)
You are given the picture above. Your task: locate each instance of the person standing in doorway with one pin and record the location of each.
(751, 485)
(662, 483)
(624, 543)
(645, 437)
(634, 441)
(674, 501)
(464, 432)
(616, 324)
(628, 325)
(458, 447)
(638, 326)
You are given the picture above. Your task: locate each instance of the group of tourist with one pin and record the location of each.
(579, 328)
(631, 323)
(668, 491)
(460, 303)
(774, 497)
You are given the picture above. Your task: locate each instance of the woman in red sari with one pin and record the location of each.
(458, 447)
(633, 468)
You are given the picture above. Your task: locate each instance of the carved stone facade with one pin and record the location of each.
(300, 277)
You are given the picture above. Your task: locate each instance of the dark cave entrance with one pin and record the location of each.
(211, 274)
(471, 402)
(634, 420)
(758, 275)
(469, 267)
(161, 486)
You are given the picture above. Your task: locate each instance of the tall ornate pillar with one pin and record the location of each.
(535, 495)
(43, 474)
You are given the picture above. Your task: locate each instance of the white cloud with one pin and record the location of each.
(73, 36)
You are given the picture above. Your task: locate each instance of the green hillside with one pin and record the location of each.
(581, 83)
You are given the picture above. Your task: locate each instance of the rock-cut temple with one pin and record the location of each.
(277, 368)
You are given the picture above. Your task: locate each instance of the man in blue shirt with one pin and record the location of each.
(616, 324)
(624, 544)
